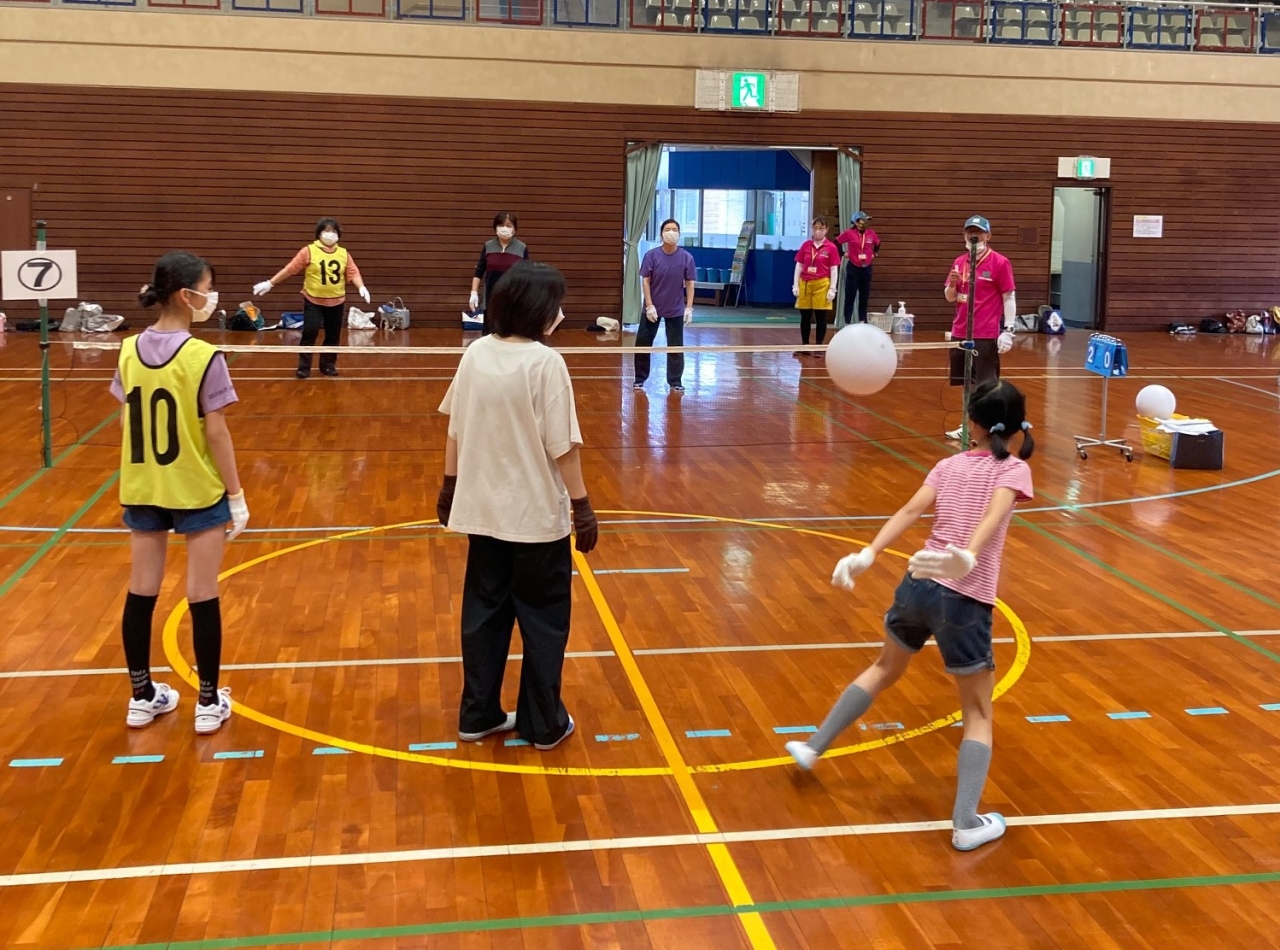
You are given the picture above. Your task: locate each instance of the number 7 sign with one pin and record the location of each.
(38, 275)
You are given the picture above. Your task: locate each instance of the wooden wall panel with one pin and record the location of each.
(124, 175)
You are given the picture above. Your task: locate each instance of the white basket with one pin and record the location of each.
(882, 320)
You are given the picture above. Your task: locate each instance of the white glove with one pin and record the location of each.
(831, 293)
(1004, 342)
(951, 564)
(688, 315)
(795, 290)
(474, 301)
(847, 568)
(239, 514)
(364, 294)
(263, 288)
(651, 313)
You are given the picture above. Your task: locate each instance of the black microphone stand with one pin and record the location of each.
(968, 344)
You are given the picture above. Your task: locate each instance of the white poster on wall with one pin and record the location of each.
(1148, 225)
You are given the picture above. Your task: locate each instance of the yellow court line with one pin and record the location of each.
(183, 669)
(725, 866)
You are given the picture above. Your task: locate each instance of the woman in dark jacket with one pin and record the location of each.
(496, 258)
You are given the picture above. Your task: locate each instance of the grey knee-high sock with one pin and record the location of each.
(853, 702)
(971, 776)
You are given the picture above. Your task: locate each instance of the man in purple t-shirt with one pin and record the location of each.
(668, 275)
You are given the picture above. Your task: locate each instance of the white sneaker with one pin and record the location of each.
(210, 718)
(143, 713)
(548, 746)
(954, 435)
(505, 726)
(991, 829)
(804, 756)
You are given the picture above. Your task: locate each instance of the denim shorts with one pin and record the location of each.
(181, 520)
(961, 625)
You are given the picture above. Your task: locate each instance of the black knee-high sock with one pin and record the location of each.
(806, 320)
(206, 636)
(136, 626)
(821, 316)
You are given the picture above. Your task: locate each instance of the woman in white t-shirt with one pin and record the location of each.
(513, 484)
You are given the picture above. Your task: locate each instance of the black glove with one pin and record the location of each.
(444, 503)
(585, 525)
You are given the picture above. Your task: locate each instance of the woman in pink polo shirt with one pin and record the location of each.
(814, 281)
(993, 298)
(862, 247)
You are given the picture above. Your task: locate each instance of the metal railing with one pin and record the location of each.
(1147, 25)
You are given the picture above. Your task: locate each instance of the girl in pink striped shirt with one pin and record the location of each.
(948, 594)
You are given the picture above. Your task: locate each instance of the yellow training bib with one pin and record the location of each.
(164, 456)
(326, 275)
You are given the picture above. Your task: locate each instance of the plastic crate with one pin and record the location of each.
(882, 320)
(1155, 442)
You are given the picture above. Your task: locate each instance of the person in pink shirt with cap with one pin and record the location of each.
(861, 246)
(994, 304)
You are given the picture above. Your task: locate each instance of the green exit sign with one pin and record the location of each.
(1086, 168)
(749, 90)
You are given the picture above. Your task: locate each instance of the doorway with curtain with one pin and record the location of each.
(733, 201)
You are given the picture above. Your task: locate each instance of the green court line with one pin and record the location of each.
(711, 910)
(57, 536)
(1101, 522)
(35, 476)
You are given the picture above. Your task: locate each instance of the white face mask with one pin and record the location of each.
(506, 234)
(670, 237)
(982, 244)
(205, 312)
(329, 238)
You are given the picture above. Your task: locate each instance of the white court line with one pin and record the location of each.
(1272, 392)
(608, 844)
(658, 651)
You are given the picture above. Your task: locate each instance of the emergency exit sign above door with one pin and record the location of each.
(1084, 167)
(747, 90)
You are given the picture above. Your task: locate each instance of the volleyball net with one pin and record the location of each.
(386, 398)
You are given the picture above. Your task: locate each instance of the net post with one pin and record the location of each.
(46, 421)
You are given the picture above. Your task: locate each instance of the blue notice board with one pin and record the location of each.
(1106, 356)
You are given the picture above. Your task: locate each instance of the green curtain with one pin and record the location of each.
(849, 194)
(642, 185)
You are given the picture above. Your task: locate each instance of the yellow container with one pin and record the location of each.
(1155, 442)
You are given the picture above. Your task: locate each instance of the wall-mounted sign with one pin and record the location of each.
(747, 90)
(1084, 167)
(1148, 225)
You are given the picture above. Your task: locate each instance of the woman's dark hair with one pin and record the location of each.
(325, 223)
(177, 270)
(526, 299)
(670, 221)
(820, 219)
(999, 407)
(504, 217)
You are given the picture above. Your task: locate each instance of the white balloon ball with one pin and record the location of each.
(861, 359)
(1156, 402)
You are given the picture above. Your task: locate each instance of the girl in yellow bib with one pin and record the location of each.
(327, 268)
(177, 473)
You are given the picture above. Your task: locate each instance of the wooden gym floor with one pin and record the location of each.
(1137, 730)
